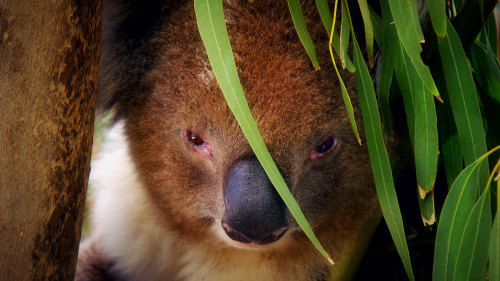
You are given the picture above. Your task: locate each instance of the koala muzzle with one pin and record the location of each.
(255, 213)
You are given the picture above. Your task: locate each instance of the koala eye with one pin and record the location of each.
(193, 138)
(323, 148)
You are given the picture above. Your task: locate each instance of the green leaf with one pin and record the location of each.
(410, 34)
(437, 9)
(344, 35)
(212, 28)
(472, 256)
(450, 144)
(365, 13)
(326, 18)
(454, 217)
(384, 87)
(495, 249)
(427, 209)
(421, 117)
(386, 69)
(486, 70)
(464, 99)
(300, 25)
(379, 159)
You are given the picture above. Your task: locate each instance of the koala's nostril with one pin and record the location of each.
(266, 239)
(272, 237)
(235, 235)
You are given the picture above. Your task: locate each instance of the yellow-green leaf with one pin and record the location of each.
(326, 18)
(345, 30)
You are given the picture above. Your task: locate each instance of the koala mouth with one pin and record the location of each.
(266, 239)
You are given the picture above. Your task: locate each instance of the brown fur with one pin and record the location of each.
(295, 107)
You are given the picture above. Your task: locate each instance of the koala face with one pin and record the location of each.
(202, 181)
(196, 164)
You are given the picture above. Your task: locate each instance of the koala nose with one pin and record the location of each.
(255, 213)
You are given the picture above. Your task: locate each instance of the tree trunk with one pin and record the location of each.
(48, 66)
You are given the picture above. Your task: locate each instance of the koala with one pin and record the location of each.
(179, 194)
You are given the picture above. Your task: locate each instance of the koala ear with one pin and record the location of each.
(126, 55)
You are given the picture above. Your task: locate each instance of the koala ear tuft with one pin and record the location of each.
(126, 50)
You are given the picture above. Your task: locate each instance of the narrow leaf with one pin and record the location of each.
(326, 18)
(486, 70)
(427, 209)
(345, 95)
(379, 159)
(464, 100)
(212, 28)
(365, 13)
(344, 35)
(384, 86)
(450, 144)
(300, 25)
(454, 216)
(421, 117)
(472, 257)
(410, 34)
(494, 251)
(437, 9)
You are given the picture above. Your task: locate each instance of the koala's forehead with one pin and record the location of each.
(281, 86)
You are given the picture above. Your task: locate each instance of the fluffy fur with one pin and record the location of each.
(159, 201)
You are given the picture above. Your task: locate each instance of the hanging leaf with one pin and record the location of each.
(300, 26)
(379, 159)
(326, 18)
(457, 210)
(365, 13)
(450, 144)
(344, 35)
(494, 251)
(472, 260)
(212, 28)
(410, 35)
(464, 100)
(437, 10)
(421, 118)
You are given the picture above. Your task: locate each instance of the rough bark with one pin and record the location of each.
(48, 67)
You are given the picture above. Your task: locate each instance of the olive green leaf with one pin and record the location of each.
(437, 10)
(344, 34)
(464, 100)
(365, 13)
(300, 26)
(462, 223)
(379, 159)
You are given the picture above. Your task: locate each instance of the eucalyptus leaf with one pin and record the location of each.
(494, 251)
(455, 215)
(464, 100)
(472, 256)
(437, 10)
(326, 18)
(345, 31)
(300, 26)
(379, 159)
(365, 13)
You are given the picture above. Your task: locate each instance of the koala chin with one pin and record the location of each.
(179, 194)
